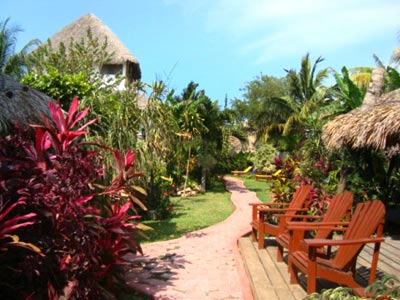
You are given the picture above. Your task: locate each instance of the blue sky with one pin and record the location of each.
(223, 44)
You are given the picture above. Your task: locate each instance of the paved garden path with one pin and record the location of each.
(201, 265)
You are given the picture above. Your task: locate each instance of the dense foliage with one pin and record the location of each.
(71, 234)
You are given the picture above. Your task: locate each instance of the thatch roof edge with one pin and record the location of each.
(20, 103)
(77, 30)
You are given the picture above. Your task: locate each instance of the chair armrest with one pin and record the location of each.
(282, 209)
(310, 217)
(256, 204)
(323, 242)
(293, 225)
(269, 204)
(300, 218)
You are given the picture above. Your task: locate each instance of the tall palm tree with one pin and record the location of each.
(392, 72)
(187, 111)
(288, 115)
(13, 63)
(395, 58)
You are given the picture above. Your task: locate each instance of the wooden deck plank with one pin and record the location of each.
(276, 277)
(296, 290)
(273, 273)
(271, 284)
(261, 284)
(388, 256)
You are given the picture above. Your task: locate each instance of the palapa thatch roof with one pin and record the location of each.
(77, 31)
(376, 124)
(20, 103)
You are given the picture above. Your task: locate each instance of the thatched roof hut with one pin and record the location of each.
(122, 59)
(20, 103)
(375, 124)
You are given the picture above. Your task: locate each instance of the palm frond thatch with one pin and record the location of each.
(20, 103)
(77, 30)
(376, 126)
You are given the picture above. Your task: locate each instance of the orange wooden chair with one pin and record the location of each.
(261, 226)
(338, 209)
(366, 226)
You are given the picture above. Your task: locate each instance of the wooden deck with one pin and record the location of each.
(270, 279)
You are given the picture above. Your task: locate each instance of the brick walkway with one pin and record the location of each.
(204, 264)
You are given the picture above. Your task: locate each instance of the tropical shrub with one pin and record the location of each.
(386, 288)
(264, 159)
(289, 176)
(339, 293)
(76, 232)
(63, 87)
(283, 183)
(240, 161)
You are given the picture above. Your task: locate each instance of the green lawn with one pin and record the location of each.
(192, 213)
(197, 212)
(260, 187)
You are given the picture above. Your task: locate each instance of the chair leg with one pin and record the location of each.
(261, 233)
(311, 282)
(253, 234)
(293, 271)
(289, 263)
(279, 254)
(312, 271)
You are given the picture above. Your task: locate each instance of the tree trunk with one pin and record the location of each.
(187, 171)
(375, 88)
(341, 187)
(203, 179)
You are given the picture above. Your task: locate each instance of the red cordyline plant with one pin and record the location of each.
(53, 172)
(9, 225)
(62, 136)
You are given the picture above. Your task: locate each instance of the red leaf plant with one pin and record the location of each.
(84, 232)
(62, 135)
(9, 224)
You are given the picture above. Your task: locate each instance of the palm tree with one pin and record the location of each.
(392, 74)
(346, 93)
(13, 63)
(361, 76)
(186, 109)
(288, 115)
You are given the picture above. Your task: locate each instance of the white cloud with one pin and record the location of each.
(274, 28)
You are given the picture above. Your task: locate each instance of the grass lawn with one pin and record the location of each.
(192, 213)
(260, 187)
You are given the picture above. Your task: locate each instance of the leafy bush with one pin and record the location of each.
(63, 87)
(283, 184)
(83, 229)
(264, 159)
(289, 176)
(339, 293)
(385, 288)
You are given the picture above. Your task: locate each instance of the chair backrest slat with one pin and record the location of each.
(299, 199)
(339, 206)
(367, 219)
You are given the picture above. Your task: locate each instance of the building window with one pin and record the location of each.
(111, 69)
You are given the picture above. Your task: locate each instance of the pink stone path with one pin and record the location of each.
(207, 263)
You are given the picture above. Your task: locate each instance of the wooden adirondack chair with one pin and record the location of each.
(366, 226)
(339, 208)
(260, 226)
